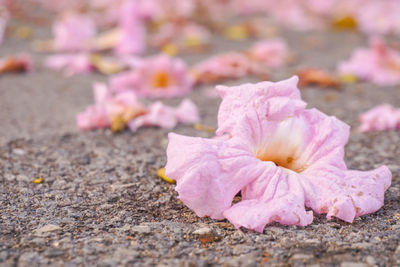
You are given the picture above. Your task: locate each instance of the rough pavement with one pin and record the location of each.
(101, 203)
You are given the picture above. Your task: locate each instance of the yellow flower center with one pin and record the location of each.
(161, 80)
(285, 146)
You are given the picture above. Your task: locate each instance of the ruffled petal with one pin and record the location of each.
(345, 194)
(263, 97)
(209, 173)
(276, 196)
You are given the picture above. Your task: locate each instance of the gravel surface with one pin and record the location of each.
(101, 203)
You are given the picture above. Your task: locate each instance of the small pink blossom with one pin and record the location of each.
(108, 108)
(73, 32)
(71, 64)
(223, 66)
(156, 77)
(123, 109)
(378, 64)
(166, 117)
(269, 53)
(281, 157)
(381, 118)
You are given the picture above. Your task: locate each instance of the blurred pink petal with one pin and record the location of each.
(378, 64)
(73, 32)
(380, 17)
(223, 66)
(71, 64)
(270, 53)
(4, 16)
(132, 29)
(155, 77)
(279, 155)
(165, 116)
(380, 118)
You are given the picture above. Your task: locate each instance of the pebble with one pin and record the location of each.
(202, 231)
(47, 228)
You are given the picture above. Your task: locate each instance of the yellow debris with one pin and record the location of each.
(344, 23)
(348, 78)
(23, 32)
(106, 66)
(170, 49)
(204, 128)
(237, 32)
(192, 41)
(161, 174)
(38, 180)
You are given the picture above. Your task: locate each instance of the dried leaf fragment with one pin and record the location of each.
(161, 174)
(313, 76)
(38, 180)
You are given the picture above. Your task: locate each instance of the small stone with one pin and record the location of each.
(370, 260)
(353, 264)
(202, 231)
(241, 249)
(18, 151)
(301, 257)
(141, 229)
(47, 228)
(53, 252)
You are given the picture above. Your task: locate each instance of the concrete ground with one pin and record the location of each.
(101, 203)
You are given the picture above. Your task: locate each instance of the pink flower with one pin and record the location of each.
(280, 156)
(223, 66)
(156, 77)
(378, 64)
(132, 29)
(71, 64)
(269, 53)
(110, 110)
(73, 32)
(123, 109)
(167, 117)
(381, 118)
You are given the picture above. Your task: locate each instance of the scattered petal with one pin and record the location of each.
(381, 118)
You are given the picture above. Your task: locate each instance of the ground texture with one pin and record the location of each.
(101, 203)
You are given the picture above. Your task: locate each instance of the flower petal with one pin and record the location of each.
(208, 172)
(276, 196)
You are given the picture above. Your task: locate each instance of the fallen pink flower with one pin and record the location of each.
(378, 64)
(166, 117)
(156, 77)
(71, 64)
(110, 110)
(269, 53)
(281, 157)
(73, 32)
(225, 66)
(380, 118)
(123, 109)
